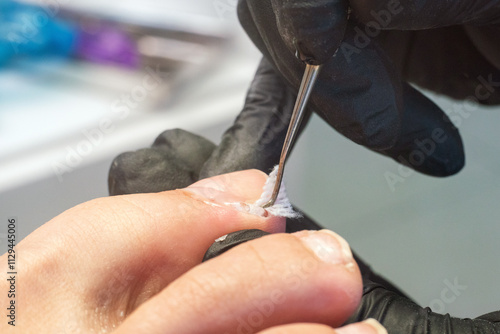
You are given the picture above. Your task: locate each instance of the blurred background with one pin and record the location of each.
(62, 121)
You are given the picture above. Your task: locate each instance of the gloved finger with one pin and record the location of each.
(174, 161)
(223, 244)
(472, 72)
(422, 14)
(256, 138)
(274, 280)
(234, 239)
(312, 30)
(401, 315)
(429, 142)
(485, 38)
(420, 122)
(369, 326)
(357, 93)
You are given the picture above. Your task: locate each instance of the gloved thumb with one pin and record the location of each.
(313, 30)
(174, 161)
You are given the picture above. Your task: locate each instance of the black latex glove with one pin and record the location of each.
(450, 47)
(179, 158)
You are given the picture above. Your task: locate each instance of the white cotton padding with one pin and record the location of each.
(282, 207)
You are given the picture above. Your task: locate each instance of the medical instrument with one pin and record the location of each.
(306, 86)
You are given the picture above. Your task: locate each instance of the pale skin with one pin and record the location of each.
(132, 264)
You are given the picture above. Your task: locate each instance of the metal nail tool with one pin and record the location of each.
(306, 86)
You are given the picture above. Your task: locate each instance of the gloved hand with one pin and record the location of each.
(179, 158)
(451, 48)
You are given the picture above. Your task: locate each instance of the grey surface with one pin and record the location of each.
(425, 234)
